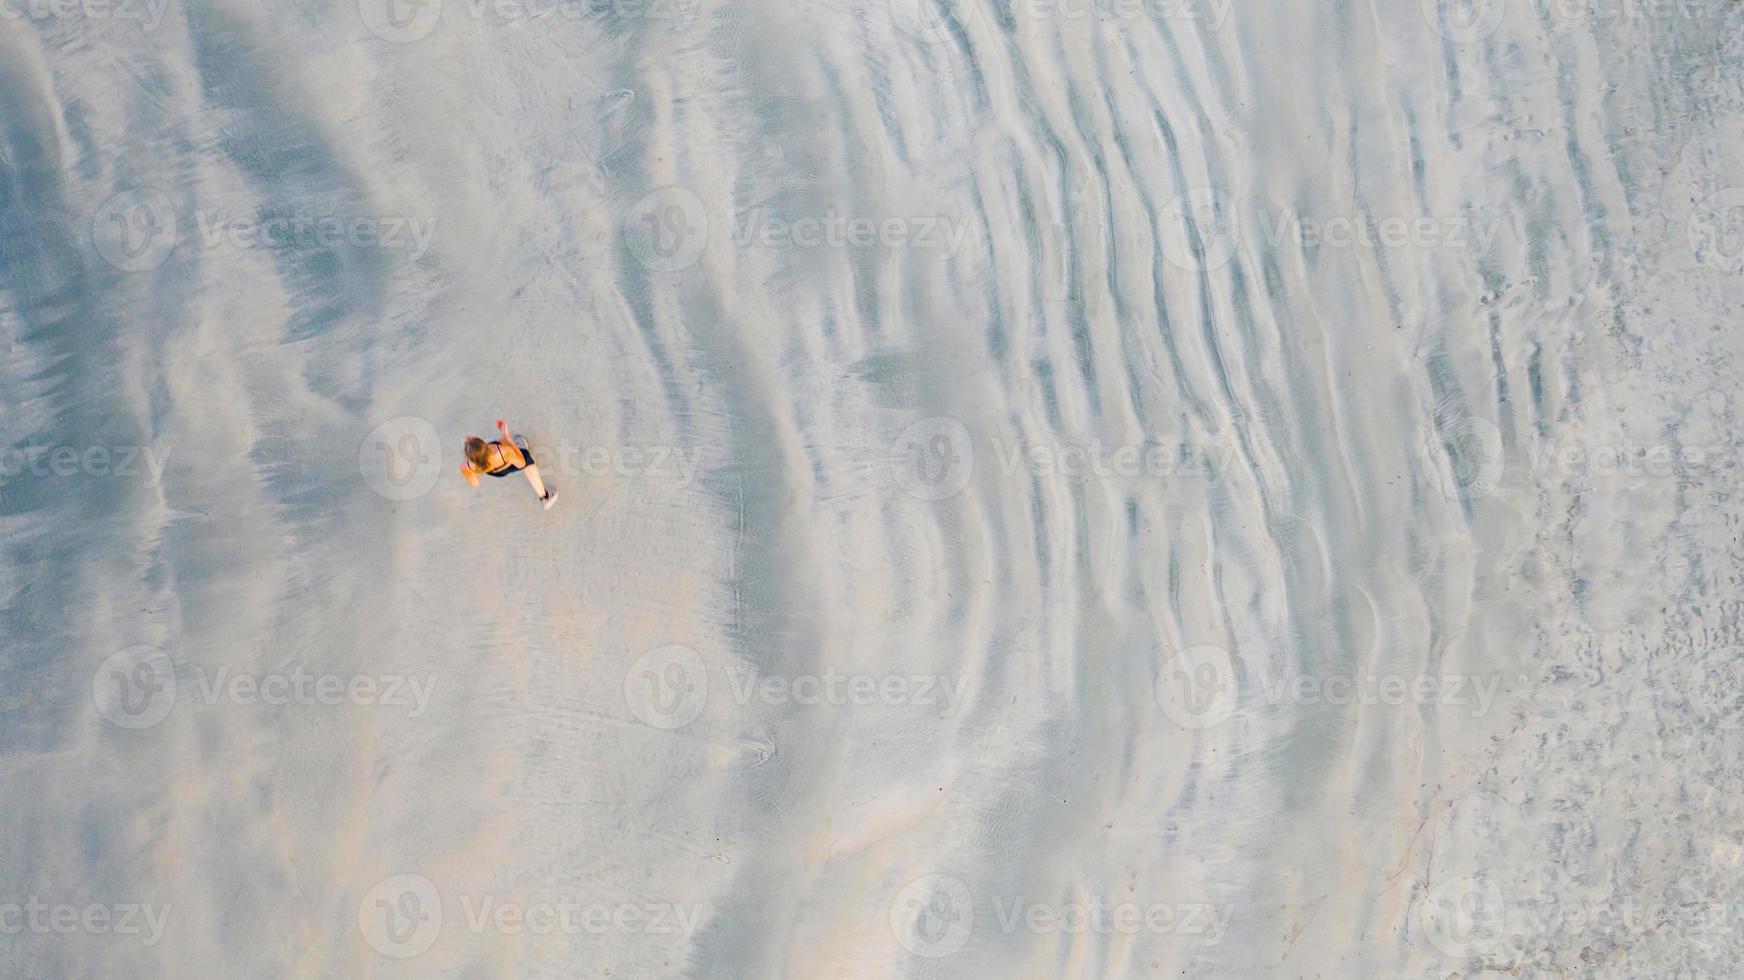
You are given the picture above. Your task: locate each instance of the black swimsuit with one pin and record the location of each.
(506, 468)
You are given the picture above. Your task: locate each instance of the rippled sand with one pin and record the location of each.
(1047, 489)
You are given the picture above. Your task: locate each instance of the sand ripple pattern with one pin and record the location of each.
(1085, 489)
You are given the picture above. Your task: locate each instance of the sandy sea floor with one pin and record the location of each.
(1133, 488)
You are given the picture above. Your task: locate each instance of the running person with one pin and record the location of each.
(507, 455)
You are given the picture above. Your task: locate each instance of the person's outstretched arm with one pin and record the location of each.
(511, 452)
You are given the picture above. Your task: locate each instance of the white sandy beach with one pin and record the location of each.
(1117, 489)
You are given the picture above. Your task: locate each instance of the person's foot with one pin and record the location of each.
(549, 498)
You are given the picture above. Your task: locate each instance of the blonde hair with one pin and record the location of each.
(478, 453)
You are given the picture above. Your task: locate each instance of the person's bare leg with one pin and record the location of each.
(533, 478)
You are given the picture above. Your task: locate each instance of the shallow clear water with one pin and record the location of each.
(1046, 489)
